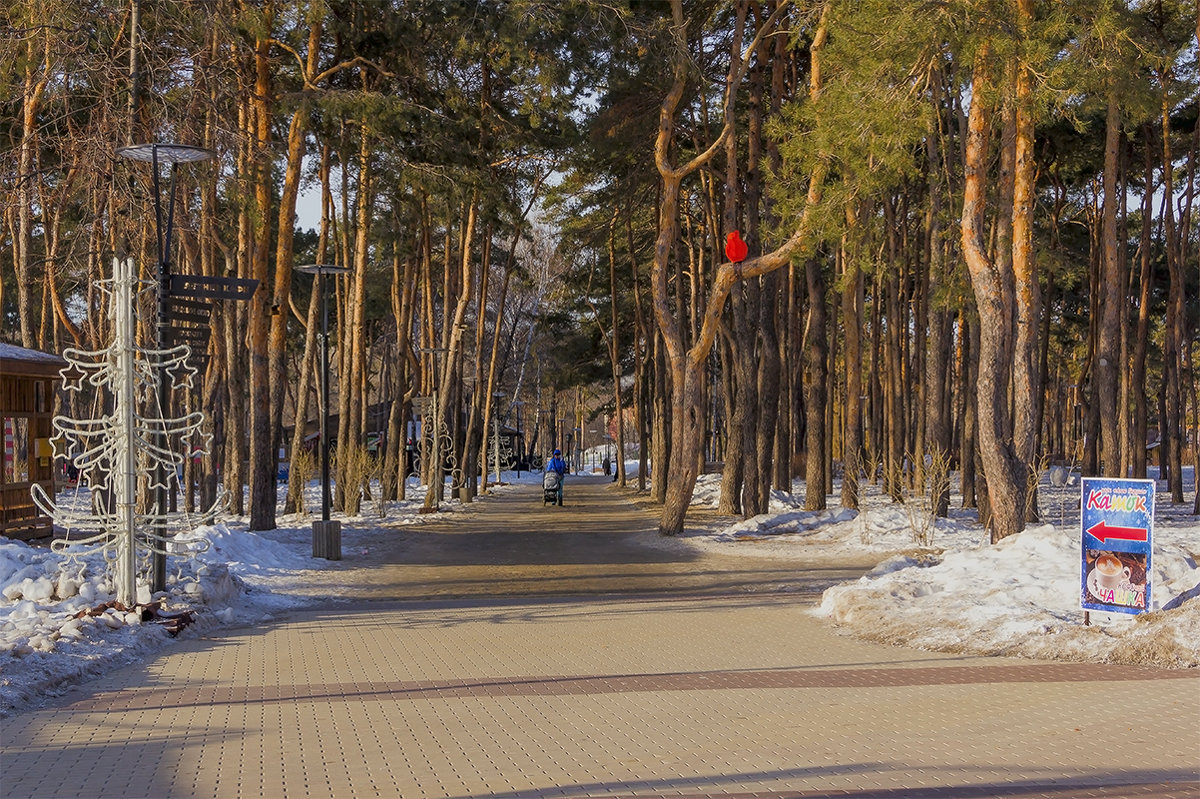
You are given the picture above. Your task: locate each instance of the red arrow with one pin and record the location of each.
(1103, 530)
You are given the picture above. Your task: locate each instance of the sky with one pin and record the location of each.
(951, 591)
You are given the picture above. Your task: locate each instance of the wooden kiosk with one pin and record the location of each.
(27, 379)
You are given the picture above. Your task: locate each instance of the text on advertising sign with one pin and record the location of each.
(1117, 521)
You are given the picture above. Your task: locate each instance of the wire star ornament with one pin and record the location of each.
(119, 453)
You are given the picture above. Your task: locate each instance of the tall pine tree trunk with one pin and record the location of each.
(852, 309)
(732, 474)
(1026, 390)
(814, 388)
(992, 284)
(263, 455)
(1112, 301)
(1173, 331)
(1141, 415)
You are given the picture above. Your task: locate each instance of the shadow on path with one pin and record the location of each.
(599, 541)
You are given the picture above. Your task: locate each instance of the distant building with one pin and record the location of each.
(27, 381)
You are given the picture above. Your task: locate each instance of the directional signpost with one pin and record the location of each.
(183, 300)
(1117, 522)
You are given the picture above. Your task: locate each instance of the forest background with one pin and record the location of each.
(971, 231)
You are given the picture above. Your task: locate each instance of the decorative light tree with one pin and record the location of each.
(127, 453)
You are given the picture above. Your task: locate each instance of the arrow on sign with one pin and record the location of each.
(1103, 531)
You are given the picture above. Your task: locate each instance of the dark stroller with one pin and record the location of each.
(551, 488)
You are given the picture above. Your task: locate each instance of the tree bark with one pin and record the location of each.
(263, 455)
(1025, 388)
(1112, 300)
(937, 429)
(732, 474)
(687, 367)
(814, 388)
(1003, 468)
(33, 90)
(852, 305)
(1173, 332)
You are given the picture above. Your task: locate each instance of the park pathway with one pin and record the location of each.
(512, 650)
(598, 542)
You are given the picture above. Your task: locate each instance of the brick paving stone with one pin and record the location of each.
(742, 696)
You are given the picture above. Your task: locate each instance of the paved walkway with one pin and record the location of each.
(594, 670)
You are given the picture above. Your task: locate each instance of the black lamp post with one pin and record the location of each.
(327, 533)
(496, 397)
(155, 154)
(518, 439)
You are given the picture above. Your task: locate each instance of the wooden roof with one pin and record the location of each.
(20, 362)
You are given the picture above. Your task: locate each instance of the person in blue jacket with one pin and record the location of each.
(557, 464)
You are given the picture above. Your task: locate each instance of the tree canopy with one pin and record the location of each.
(971, 226)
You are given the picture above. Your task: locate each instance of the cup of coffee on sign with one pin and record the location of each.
(1110, 571)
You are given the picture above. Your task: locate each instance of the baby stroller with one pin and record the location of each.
(551, 486)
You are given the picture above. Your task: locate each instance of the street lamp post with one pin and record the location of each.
(518, 440)
(595, 435)
(496, 397)
(327, 533)
(155, 154)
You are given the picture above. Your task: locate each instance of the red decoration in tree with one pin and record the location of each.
(735, 248)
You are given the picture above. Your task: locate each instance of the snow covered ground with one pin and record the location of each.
(951, 591)
(956, 592)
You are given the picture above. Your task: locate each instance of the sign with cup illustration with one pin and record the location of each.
(1117, 522)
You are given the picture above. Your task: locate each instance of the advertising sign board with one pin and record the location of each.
(1117, 524)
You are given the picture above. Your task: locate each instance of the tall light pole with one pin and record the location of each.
(519, 440)
(496, 397)
(155, 154)
(327, 533)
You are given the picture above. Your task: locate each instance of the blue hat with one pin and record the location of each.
(557, 452)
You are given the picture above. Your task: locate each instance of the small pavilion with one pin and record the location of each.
(27, 380)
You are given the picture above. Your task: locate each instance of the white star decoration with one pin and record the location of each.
(120, 455)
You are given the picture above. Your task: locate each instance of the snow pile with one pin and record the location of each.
(1019, 597)
(49, 640)
(954, 591)
(707, 493)
(787, 523)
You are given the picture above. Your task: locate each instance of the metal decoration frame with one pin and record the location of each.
(126, 453)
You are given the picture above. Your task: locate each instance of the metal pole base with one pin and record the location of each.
(327, 540)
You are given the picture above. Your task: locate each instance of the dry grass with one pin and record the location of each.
(357, 471)
(921, 508)
(303, 470)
